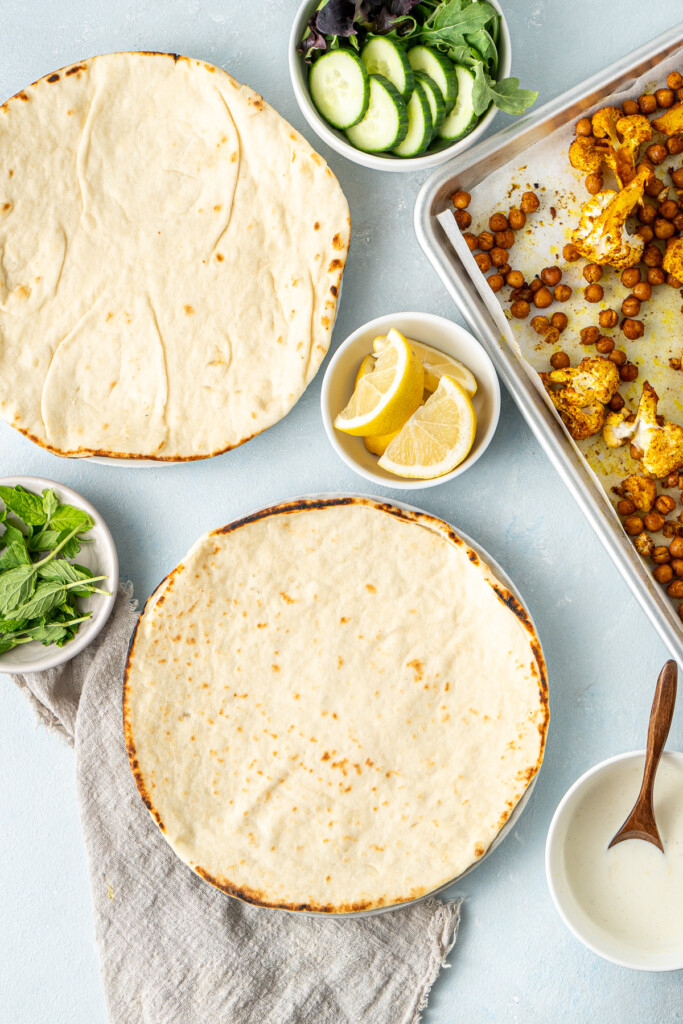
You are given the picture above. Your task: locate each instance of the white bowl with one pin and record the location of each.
(617, 949)
(381, 161)
(99, 555)
(338, 384)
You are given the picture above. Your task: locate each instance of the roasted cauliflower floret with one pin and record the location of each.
(671, 121)
(661, 444)
(587, 154)
(623, 137)
(580, 421)
(601, 234)
(673, 258)
(593, 380)
(641, 490)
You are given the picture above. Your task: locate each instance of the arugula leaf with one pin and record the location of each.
(484, 45)
(26, 506)
(16, 586)
(66, 517)
(506, 94)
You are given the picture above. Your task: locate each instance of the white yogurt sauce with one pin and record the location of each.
(632, 894)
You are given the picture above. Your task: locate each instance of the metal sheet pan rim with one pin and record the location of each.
(573, 470)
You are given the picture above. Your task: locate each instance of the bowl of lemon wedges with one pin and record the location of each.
(410, 400)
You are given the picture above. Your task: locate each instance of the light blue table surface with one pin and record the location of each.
(514, 960)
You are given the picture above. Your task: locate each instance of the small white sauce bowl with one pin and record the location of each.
(99, 556)
(298, 70)
(339, 381)
(613, 948)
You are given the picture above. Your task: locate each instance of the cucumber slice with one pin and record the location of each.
(462, 118)
(434, 98)
(386, 121)
(420, 129)
(440, 69)
(340, 87)
(383, 56)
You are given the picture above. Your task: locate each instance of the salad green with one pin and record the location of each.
(39, 588)
(454, 43)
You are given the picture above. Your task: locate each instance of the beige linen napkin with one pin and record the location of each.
(175, 951)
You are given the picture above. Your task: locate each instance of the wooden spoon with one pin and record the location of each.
(641, 823)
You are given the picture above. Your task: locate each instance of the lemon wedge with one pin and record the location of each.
(437, 437)
(388, 395)
(435, 364)
(367, 366)
(376, 444)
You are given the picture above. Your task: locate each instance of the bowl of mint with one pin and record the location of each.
(58, 574)
(401, 85)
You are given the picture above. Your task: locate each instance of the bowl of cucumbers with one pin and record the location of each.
(398, 85)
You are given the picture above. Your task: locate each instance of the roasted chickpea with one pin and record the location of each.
(498, 222)
(483, 261)
(675, 589)
(677, 566)
(594, 293)
(562, 293)
(655, 276)
(604, 346)
(678, 222)
(633, 329)
(592, 272)
(536, 284)
(618, 356)
(516, 218)
(616, 403)
(583, 126)
(589, 335)
(646, 232)
(644, 545)
(679, 95)
(529, 202)
(652, 256)
(647, 104)
(486, 241)
(520, 309)
(630, 306)
(653, 522)
(498, 256)
(642, 291)
(677, 177)
(656, 153)
(629, 107)
(594, 183)
(676, 547)
(515, 279)
(521, 293)
(665, 98)
(668, 209)
(628, 372)
(540, 324)
(559, 360)
(663, 573)
(571, 253)
(636, 452)
(608, 318)
(675, 145)
(661, 555)
(471, 240)
(463, 219)
(673, 282)
(461, 200)
(633, 525)
(671, 481)
(671, 529)
(654, 187)
(647, 213)
(559, 321)
(664, 228)
(551, 276)
(674, 80)
(496, 282)
(543, 298)
(625, 507)
(505, 239)
(630, 277)
(665, 504)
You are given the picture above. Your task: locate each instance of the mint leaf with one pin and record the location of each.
(46, 596)
(16, 586)
(26, 506)
(50, 503)
(66, 517)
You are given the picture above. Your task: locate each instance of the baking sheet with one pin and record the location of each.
(545, 169)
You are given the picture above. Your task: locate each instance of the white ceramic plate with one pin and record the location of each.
(613, 948)
(298, 71)
(99, 555)
(449, 337)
